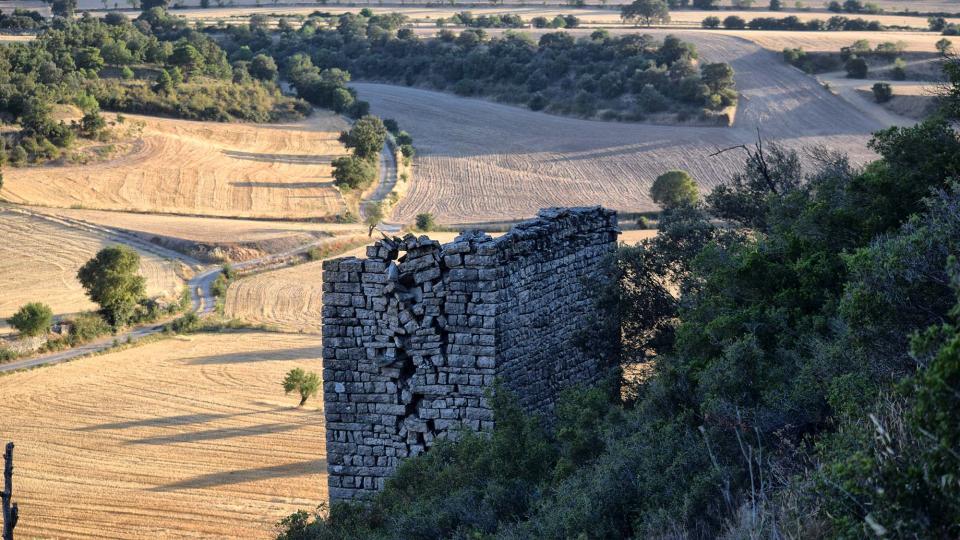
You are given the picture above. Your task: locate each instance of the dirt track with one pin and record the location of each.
(481, 161)
(39, 262)
(187, 437)
(201, 168)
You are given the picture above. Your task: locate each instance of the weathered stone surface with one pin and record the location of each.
(415, 335)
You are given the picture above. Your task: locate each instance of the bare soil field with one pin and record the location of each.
(39, 262)
(201, 168)
(185, 437)
(480, 161)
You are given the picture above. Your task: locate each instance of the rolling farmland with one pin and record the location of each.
(480, 161)
(201, 168)
(185, 437)
(53, 253)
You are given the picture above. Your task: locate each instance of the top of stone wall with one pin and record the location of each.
(551, 226)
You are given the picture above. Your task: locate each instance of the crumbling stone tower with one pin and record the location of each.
(412, 341)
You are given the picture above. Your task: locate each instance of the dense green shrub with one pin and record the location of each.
(425, 222)
(351, 172)
(856, 68)
(674, 188)
(32, 319)
(87, 327)
(882, 92)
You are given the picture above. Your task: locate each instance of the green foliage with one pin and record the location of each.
(646, 12)
(542, 74)
(674, 188)
(305, 383)
(374, 213)
(32, 319)
(425, 222)
(366, 137)
(351, 172)
(882, 92)
(856, 68)
(711, 22)
(87, 327)
(112, 280)
(219, 286)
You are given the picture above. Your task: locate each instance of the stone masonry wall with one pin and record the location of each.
(416, 333)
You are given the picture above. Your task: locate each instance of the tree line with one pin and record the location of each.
(623, 77)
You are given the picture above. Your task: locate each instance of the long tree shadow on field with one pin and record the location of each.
(289, 470)
(303, 353)
(284, 185)
(294, 159)
(174, 421)
(217, 434)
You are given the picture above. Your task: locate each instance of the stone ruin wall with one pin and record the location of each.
(417, 333)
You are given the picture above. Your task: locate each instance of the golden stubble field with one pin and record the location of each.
(201, 168)
(39, 260)
(186, 437)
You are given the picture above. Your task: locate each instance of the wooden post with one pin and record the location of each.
(10, 510)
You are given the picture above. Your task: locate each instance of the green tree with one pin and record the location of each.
(943, 46)
(33, 319)
(366, 137)
(305, 383)
(674, 188)
(187, 57)
(374, 213)
(856, 68)
(263, 67)
(112, 280)
(647, 12)
(882, 92)
(425, 222)
(711, 22)
(164, 83)
(351, 172)
(63, 8)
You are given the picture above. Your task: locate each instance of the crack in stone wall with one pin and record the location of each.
(416, 333)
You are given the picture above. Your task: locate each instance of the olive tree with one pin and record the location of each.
(304, 382)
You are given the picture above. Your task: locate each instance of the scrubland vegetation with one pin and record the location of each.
(155, 64)
(619, 77)
(801, 327)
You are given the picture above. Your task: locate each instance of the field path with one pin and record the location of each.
(481, 161)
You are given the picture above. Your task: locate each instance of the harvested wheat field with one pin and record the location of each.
(481, 161)
(39, 260)
(777, 40)
(201, 168)
(185, 437)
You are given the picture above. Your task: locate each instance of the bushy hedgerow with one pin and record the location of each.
(558, 73)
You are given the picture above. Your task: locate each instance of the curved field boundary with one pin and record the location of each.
(480, 161)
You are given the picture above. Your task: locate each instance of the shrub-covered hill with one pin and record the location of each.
(804, 383)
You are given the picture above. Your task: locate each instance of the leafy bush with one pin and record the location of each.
(674, 188)
(711, 22)
(87, 327)
(856, 68)
(425, 222)
(32, 319)
(882, 92)
(351, 172)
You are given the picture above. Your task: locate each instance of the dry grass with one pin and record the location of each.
(776, 40)
(489, 162)
(185, 437)
(39, 262)
(198, 168)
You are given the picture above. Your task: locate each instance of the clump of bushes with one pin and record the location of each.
(32, 319)
(425, 222)
(882, 92)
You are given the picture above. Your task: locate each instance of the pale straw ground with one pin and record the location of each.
(188, 437)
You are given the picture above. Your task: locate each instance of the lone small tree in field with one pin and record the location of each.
(674, 188)
(112, 280)
(943, 46)
(646, 11)
(303, 382)
(425, 222)
(32, 319)
(366, 137)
